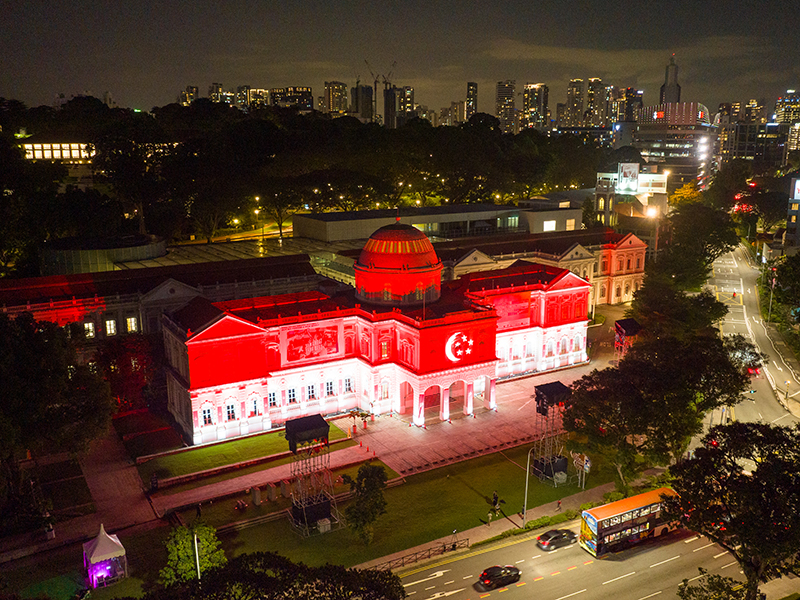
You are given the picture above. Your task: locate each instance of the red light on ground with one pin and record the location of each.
(752, 184)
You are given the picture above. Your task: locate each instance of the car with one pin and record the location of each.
(497, 576)
(556, 538)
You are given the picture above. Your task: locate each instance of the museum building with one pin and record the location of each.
(401, 342)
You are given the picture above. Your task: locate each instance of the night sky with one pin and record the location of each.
(144, 51)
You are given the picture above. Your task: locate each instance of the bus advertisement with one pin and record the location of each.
(617, 525)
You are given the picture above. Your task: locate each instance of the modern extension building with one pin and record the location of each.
(401, 342)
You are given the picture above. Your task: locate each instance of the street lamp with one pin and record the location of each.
(527, 477)
(652, 212)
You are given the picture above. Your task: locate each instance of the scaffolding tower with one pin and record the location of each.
(550, 464)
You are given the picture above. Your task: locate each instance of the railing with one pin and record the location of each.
(437, 550)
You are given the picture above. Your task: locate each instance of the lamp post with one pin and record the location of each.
(262, 226)
(652, 212)
(527, 477)
(196, 555)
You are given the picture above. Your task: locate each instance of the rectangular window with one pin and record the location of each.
(312, 391)
(570, 224)
(255, 407)
(384, 349)
(272, 399)
(291, 395)
(206, 416)
(132, 325)
(348, 385)
(638, 263)
(601, 204)
(329, 388)
(549, 226)
(88, 329)
(231, 412)
(793, 219)
(111, 327)
(795, 206)
(513, 221)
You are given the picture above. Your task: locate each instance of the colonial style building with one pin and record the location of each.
(401, 341)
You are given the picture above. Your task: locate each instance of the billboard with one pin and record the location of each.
(795, 189)
(627, 178)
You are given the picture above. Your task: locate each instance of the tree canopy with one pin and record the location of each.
(369, 502)
(742, 491)
(181, 558)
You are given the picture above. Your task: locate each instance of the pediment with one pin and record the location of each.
(576, 252)
(227, 326)
(475, 258)
(568, 281)
(170, 291)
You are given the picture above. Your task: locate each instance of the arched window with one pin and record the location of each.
(627, 288)
(419, 292)
(618, 292)
(602, 291)
(577, 343)
(564, 346)
(387, 293)
(549, 349)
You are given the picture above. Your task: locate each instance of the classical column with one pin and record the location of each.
(468, 399)
(489, 400)
(419, 409)
(444, 403)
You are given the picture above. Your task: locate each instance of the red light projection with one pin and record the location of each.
(311, 342)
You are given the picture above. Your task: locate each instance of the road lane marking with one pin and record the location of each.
(571, 568)
(702, 547)
(665, 561)
(467, 577)
(777, 367)
(650, 596)
(539, 578)
(433, 575)
(521, 583)
(720, 554)
(519, 561)
(556, 573)
(537, 556)
(694, 578)
(588, 562)
(697, 537)
(618, 578)
(572, 594)
(728, 565)
(430, 588)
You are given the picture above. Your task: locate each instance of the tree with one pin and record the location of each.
(787, 276)
(127, 365)
(770, 207)
(742, 490)
(181, 557)
(369, 502)
(589, 218)
(686, 194)
(713, 587)
(48, 402)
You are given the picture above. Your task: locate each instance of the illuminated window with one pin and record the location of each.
(605, 266)
(111, 327)
(618, 292)
(255, 407)
(570, 224)
(793, 219)
(513, 221)
(387, 293)
(601, 204)
(206, 416)
(272, 399)
(418, 293)
(132, 324)
(627, 288)
(384, 390)
(564, 346)
(291, 395)
(549, 226)
(88, 329)
(384, 349)
(329, 388)
(348, 385)
(795, 206)
(312, 391)
(231, 412)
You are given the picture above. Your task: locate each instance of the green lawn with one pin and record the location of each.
(218, 455)
(429, 506)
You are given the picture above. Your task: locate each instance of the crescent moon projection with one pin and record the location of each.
(448, 347)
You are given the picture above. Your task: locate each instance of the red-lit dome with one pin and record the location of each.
(398, 265)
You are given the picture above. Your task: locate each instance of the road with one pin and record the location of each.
(734, 283)
(647, 571)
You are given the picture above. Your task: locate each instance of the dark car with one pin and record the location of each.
(497, 576)
(556, 538)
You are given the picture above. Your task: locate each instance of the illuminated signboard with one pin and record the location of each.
(659, 114)
(627, 178)
(796, 189)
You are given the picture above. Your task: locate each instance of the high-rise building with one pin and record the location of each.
(561, 115)
(615, 104)
(755, 112)
(594, 114)
(361, 102)
(671, 91)
(215, 92)
(534, 106)
(258, 98)
(787, 108)
(189, 95)
(398, 105)
(574, 110)
(505, 105)
(634, 101)
(335, 97)
(243, 97)
(301, 97)
(472, 99)
(678, 138)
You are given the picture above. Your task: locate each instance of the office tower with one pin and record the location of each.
(334, 99)
(534, 106)
(472, 99)
(594, 114)
(561, 115)
(787, 108)
(258, 98)
(243, 97)
(189, 95)
(504, 105)
(615, 104)
(574, 109)
(678, 138)
(671, 91)
(755, 112)
(398, 105)
(634, 100)
(301, 97)
(361, 101)
(215, 92)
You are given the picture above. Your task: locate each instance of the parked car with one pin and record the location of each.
(497, 576)
(556, 538)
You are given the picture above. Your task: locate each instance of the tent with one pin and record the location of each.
(104, 559)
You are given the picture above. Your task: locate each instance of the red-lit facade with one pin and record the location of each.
(249, 365)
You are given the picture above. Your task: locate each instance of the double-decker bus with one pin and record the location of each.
(617, 525)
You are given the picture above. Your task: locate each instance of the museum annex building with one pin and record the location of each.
(400, 342)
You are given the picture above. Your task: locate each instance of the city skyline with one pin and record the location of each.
(145, 53)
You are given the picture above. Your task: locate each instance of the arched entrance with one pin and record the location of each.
(429, 402)
(406, 400)
(456, 400)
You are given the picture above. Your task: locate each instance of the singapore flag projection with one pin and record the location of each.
(458, 345)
